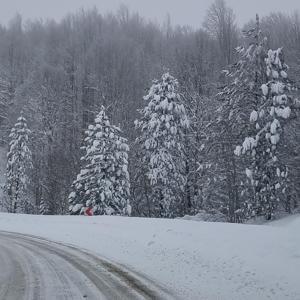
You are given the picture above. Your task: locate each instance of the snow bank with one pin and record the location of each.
(204, 216)
(196, 260)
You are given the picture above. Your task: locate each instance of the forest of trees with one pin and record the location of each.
(157, 120)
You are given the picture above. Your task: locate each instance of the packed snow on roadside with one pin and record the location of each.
(196, 260)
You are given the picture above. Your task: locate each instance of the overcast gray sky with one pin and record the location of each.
(183, 12)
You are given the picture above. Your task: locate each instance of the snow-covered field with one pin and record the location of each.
(196, 260)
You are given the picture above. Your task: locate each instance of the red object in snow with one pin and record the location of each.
(89, 212)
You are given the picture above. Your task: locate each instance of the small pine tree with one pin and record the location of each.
(19, 163)
(163, 125)
(43, 208)
(103, 183)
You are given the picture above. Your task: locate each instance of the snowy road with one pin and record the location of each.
(33, 269)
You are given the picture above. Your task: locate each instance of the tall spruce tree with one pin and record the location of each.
(163, 125)
(257, 97)
(103, 182)
(267, 174)
(239, 97)
(19, 163)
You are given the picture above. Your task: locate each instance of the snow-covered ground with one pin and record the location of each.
(196, 260)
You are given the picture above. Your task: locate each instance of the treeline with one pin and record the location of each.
(60, 74)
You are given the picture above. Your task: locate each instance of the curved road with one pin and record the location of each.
(34, 269)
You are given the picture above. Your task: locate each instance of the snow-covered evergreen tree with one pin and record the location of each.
(239, 97)
(103, 183)
(267, 174)
(163, 126)
(19, 163)
(259, 94)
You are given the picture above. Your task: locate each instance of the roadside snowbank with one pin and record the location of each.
(196, 260)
